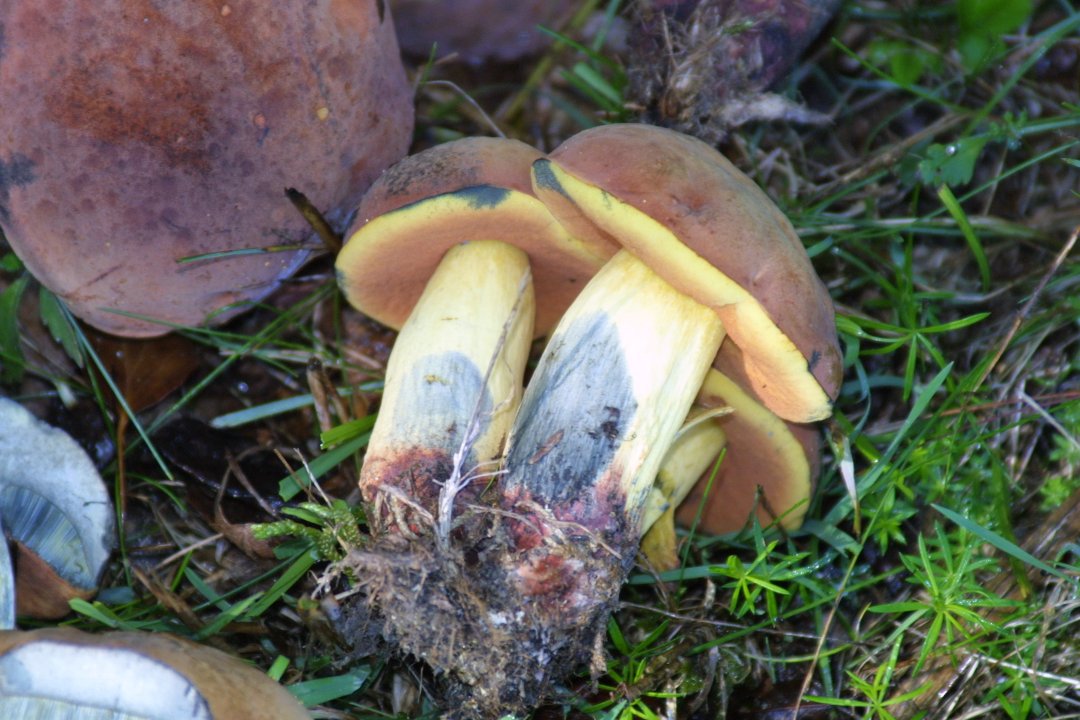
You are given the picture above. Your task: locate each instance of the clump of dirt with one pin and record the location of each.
(499, 620)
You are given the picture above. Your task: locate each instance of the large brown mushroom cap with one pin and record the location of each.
(461, 191)
(716, 215)
(135, 134)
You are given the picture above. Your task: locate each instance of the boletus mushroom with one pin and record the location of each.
(691, 216)
(63, 672)
(55, 511)
(707, 261)
(768, 468)
(684, 210)
(767, 463)
(451, 247)
(523, 595)
(138, 135)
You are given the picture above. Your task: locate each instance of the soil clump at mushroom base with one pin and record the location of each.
(495, 648)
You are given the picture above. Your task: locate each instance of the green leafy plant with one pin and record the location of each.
(12, 362)
(332, 528)
(760, 579)
(630, 669)
(873, 695)
(954, 597)
(981, 27)
(596, 77)
(906, 62)
(1065, 455)
(983, 24)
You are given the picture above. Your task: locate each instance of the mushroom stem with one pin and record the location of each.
(437, 371)
(607, 398)
(692, 454)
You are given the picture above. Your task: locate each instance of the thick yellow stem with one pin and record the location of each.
(478, 305)
(609, 394)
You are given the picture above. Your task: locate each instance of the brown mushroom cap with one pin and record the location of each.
(696, 211)
(465, 190)
(135, 134)
(477, 30)
(229, 687)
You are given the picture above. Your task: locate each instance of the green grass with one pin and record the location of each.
(937, 207)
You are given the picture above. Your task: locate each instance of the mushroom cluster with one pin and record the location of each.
(451, 247)
(702, 327)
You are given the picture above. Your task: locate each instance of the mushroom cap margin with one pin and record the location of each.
(695, 210)
(762, 450)
(465, 190)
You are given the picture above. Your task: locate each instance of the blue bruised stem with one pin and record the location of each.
(607, 399)
(474, 308)
(571, 425)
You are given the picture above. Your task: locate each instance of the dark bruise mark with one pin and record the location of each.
(545, 177)
(610, 427)
(478, 197)
(381, 5)
(547, 447)
(484, 197)
(16, 172)
(581, 394)
(815, 358)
